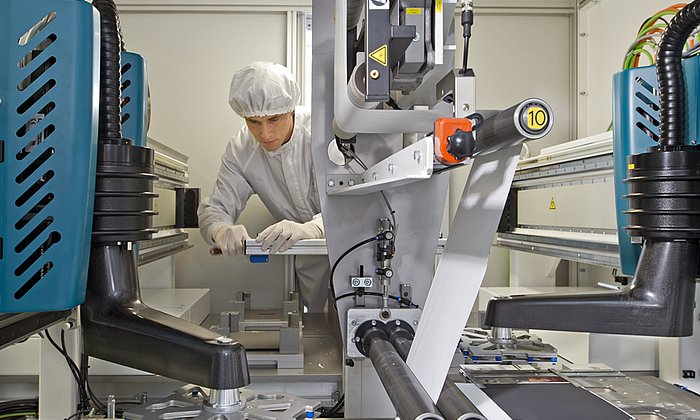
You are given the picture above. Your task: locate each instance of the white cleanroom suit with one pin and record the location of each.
(283, 179)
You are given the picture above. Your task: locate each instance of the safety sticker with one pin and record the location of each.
(414, 11)
(380, 55)
(552, 204)
(438, 6)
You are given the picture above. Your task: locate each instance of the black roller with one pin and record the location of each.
(664, 194)
(123, 197)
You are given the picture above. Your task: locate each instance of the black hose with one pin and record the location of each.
(110, 128)
(672, 92)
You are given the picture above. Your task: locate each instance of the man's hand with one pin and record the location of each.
(282, 235)
(231, 239)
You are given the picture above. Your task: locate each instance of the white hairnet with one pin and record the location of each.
(262, 89)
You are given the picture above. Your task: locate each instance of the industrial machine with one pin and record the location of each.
(387, 95)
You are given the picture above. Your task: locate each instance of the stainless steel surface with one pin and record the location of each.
(225, 399)
(642, 397)
(357, 317)
(303, 247)
(581, 251)
(502, 336)
(185, 403)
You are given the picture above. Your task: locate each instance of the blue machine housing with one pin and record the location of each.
(636, 128)
(49, 76)
(134, 84)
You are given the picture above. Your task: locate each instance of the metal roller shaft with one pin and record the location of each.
(406, 393)
(527, 120)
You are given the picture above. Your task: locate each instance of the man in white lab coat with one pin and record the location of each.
(271, 157)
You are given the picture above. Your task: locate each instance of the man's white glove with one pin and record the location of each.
(282, 235)
(230, 239)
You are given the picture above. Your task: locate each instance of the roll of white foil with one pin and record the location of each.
(462, 267)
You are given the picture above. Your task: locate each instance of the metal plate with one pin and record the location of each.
(357, 317)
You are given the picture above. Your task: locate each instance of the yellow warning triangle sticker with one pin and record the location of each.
(552, 205)
(380, 55)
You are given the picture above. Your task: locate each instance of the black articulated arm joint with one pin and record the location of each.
(664, 210)
(117, 325)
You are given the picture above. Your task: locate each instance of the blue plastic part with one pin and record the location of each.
(259, 259)
(553, 360)
(134, 98)
(635, 129)
(49, 77)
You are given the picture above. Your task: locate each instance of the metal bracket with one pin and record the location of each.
(357, 317)
(411, 164)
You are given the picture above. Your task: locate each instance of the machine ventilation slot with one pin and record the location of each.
(648, 132)
(21, 223)
(32, 167)
(125, 85)
(648, 116)
(35, 142)
(34, 188)
(43, 112)
(54, 238)
(126, 67)
(36, 96)
(38, 27)
(125, 117)
(33, 280)
(2, 151)
(651, 104)
(646, 86)
(36, 52)
(36, 73)
(24, 243)
(126, 100)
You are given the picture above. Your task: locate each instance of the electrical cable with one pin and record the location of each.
(78, 413)
(84, 401)
(19, 414)
(348, 251)
(359, 161)
(449, 168)
(401, 300)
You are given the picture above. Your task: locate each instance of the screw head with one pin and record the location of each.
(374, 176)
(357, 339)
(391, 168)
(353, 322)
(374, 74)
(351, 182)
(416, 38)
(416, 155)
(465, 107)
(415, 322)
(374, 322)
(397, 322)
(224, 340)
(331, 183)
(355, 282)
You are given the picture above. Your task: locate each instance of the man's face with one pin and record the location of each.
(271, 131)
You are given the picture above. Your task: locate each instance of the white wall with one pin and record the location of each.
(191, 57)
(606, 29)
